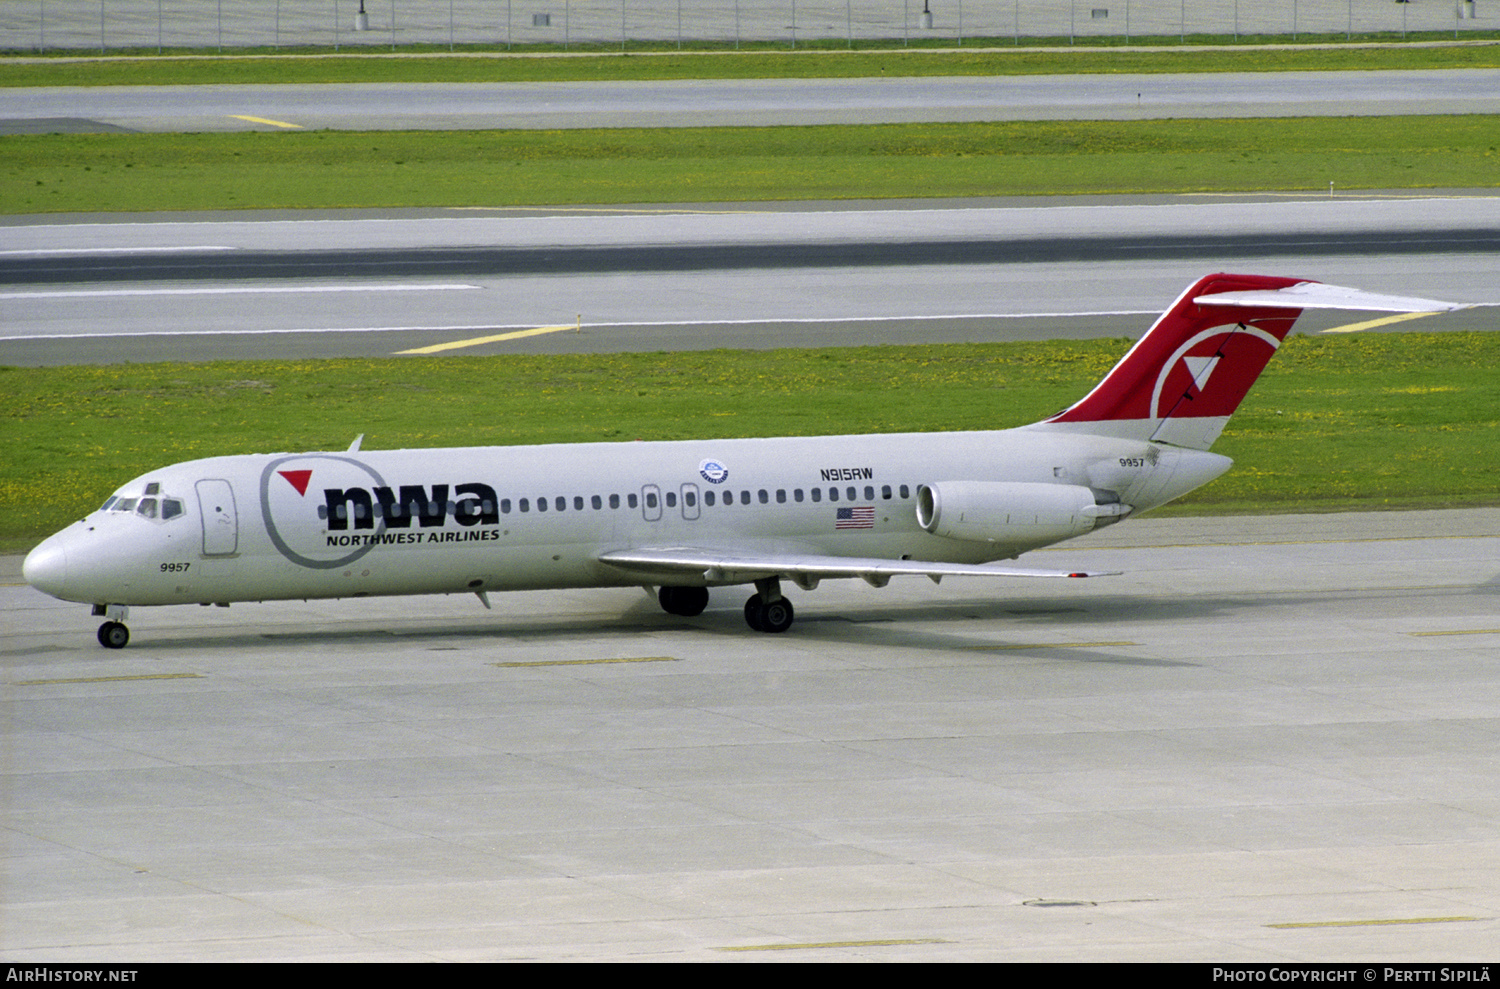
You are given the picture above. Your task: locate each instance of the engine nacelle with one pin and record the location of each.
(1013, 511)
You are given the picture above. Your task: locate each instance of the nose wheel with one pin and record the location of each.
(114, 635)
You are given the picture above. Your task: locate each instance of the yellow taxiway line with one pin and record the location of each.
(476, 341)
(112, 679)
(587, 662)
(1383, 321)
(263, 120)
(1376, 923)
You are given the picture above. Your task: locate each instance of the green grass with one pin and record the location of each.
(104, 172)
(1378, 421)
(821, 60)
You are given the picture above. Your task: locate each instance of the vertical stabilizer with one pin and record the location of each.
(1181, 381)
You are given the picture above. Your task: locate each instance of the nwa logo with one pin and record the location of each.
(1210, 374)
(326, 511)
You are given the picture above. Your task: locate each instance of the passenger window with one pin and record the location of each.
(525, 504)
(597, 502)
(630, 500)
(708, 498)
(781, 496)
(904, 493)
(797, 495)
(833, 494)
(689, 499)
(671, 499)
(817, 494)
(885, 492)
(578, 503)
(651, 500)
(614, 501)
(561, 503)
(869, 493)
(764, 496)
(853, 495)
(505, 506)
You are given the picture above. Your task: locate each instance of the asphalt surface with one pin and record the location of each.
(197, 287)
(746, 102)
(1273, 740)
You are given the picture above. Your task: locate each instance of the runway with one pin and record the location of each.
(1273, 740)
(746, 102)
(357, 283)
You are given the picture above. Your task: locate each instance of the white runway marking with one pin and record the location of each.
(50, 251)
(247, 290)
(512, 331)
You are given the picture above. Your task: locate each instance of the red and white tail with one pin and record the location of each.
(1182, 381)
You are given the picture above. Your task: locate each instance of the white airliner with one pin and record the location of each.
(686, 516)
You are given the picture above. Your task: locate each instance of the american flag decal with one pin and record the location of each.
(860, 517)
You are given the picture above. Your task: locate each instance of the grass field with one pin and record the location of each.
(1376, 421)
(989, 57)
(104, 172)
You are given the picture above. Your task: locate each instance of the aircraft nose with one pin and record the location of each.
(46, 568)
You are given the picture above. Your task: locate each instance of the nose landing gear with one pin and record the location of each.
(113, 634)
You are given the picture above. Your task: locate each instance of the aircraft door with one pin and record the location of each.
(651, 502)
(221, 530)
(690, 501)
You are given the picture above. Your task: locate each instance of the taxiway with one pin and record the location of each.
(1274, 739)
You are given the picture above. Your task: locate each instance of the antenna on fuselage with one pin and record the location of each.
(354, 447)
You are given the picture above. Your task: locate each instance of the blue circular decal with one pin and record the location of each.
(713, 472)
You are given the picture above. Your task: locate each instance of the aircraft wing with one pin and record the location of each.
(803, 570)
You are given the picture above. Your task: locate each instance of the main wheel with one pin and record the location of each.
(688, 602)
(752, 613)
(774, 617)
(113, 635)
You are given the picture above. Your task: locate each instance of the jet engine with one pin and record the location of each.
(1014, 511)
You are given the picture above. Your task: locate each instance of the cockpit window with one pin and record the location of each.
(155, 506)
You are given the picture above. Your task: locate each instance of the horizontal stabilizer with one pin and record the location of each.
(1316, 295)
(732, 568)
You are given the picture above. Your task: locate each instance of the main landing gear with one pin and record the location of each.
(766, 611)
(768, 616)
(688, 602)
(113, 634)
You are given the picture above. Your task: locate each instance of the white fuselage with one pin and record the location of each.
(356, 523)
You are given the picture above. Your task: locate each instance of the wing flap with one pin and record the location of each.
(731, 568)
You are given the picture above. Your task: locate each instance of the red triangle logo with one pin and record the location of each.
(297, 478)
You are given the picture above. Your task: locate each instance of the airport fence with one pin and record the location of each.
(136, 25)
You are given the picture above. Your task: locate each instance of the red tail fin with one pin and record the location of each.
(1182, 380)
